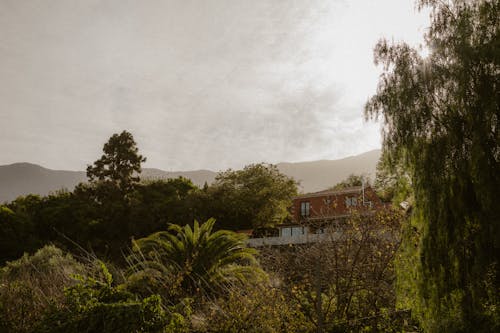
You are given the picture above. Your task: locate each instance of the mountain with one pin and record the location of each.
(24, 178)
(198, 177)
(319, 175)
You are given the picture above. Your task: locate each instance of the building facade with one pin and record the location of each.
(334, 204)
(316, 214)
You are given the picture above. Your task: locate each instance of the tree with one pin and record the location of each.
(119, 164)
(344, 283)
(156, 203)
(12, 234)
(257, 196)
(191, 260)
(113, 179)
(352, 180)
(18, 227)
(441, 121)
(392, 182)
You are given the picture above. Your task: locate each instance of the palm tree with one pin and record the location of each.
(193, 260)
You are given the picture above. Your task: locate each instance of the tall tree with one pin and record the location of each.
(113, 179)
(442, 120)
(120, 164)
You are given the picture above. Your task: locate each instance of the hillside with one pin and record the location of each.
(24, 178)
(319, 175)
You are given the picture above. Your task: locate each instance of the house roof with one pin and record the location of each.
(348, 190)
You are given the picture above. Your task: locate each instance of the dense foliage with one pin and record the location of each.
(31, 284)
(351, 181)
(441, 121)
(257, 196)
(192, 260)
(97, 306)
(102, 215)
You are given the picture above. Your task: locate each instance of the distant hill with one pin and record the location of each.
(319, 175)
(25, 178)
(198, 177)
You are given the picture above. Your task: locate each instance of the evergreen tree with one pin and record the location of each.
(120, 163)
(441, 120)
(113, 179)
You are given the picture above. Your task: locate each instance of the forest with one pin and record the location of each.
(123, 254)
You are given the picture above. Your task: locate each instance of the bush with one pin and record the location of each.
(252, 307)
(97, 306)
(32, 284)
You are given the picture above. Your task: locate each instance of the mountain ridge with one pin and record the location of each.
(24, 178)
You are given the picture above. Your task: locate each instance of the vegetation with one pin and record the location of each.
(192, 260)
(441, 117)
(32, 284)
(103, 215)
(345, 284)
(97, 306)
(257, 196)
(119, 254)
(119, 163)
(351, 181)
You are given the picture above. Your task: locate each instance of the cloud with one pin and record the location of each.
(201, 84)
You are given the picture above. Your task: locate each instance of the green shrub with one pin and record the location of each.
(32, 284)
(251, 307)
(97, 306)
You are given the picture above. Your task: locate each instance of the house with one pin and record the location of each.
(314, 213)
(330, 205)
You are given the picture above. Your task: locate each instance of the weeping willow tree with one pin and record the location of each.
(441, 120)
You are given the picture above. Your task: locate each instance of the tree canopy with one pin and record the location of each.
(441, 121)
(257, 196)
(352, 180)
(120, 163)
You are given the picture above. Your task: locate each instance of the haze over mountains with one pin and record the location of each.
(25, 178)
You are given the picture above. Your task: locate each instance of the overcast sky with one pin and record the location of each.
(207, 84)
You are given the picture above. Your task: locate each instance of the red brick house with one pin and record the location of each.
(313, 212)
(334, 204)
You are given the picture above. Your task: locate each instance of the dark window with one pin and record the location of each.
(304, 208)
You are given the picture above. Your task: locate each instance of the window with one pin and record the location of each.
(351, 201)
(296, 231)
(304, 208)
(292, 231)
(286, 232)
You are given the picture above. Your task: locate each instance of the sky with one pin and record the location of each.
(207, 84)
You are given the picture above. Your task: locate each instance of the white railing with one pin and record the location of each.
(311, 238)
(288, 240)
